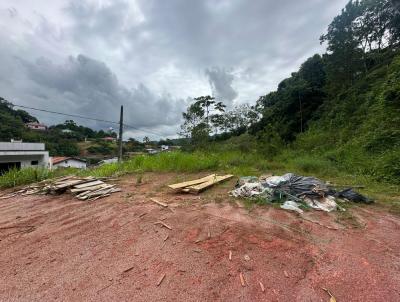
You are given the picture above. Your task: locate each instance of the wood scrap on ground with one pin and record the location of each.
(163, 224)
(242, 281)
(161, 280)
(332, 297)
(198, 185)
(262, 286)
(84, 188)
(159, 202)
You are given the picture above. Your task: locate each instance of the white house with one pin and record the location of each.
(36, 126)
(16, 154)
(152, 151)
(164, 148)
(67, 162)
(108, 161)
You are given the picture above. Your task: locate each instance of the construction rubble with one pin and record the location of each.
(294, 192)
(84, 188)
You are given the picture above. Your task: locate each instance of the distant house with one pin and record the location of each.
(36, 126)
(109, 139)
(67, 162)
(16, 154)
(132, 154)
(164, 148)
(108, 161)
(152, 151)
(66, 131)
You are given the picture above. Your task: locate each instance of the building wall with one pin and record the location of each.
(18, 146)
(25, 158)
(73, 163)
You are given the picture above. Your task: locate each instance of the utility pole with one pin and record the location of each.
(301, 113)
(121, 118)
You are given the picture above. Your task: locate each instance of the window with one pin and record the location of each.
(34, 162)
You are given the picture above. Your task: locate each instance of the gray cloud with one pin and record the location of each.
(88, 87)
(221, 84)
(151, 55)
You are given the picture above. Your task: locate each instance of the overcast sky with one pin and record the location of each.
(88, 57)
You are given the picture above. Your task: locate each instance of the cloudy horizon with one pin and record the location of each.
(89, 57)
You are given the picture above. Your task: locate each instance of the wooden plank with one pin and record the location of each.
(203, 186)
(161, 280)
(92, 188)
(98, 197)
(71, 183)
(191, 182)
(163, 224)
(262, 286)
(242, 281)
(59, 180)
(159, 202)
(88, 184)
(83, 194)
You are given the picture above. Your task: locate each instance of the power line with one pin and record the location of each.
(148, 131)
(89, 118)
(66, 114)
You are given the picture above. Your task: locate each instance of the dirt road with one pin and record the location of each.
(114, 249)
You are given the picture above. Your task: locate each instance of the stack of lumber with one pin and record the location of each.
(198, 185)
(85, 188)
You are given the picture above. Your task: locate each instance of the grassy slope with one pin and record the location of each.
(359, 130)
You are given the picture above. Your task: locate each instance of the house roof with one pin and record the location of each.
(59, 159)
(36, 124)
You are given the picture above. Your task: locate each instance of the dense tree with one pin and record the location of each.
(289, 109)
(362, 29)
(146, 140)
(208, 105)
(200, 117)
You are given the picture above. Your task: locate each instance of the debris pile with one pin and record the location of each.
(198, 185)
(84, 188)
(294, 191)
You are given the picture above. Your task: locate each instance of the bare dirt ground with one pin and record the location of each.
(59, 248)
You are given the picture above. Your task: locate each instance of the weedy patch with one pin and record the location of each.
(347, 218)
(395, 208)
(139, 177)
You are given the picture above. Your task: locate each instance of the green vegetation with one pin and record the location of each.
(338, 114)
(20, 177)
(234, 162)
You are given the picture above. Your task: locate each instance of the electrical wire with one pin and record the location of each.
(67, 114)
(90, 118)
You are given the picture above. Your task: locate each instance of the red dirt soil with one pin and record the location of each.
(60, 248)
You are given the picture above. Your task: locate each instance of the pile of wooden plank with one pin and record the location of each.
(201, 184)
(84, 188)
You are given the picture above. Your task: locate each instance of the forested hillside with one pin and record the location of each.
(61, 139)
(344, 107)
(340, 110)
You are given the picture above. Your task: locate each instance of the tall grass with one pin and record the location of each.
(16, 177)
(235, 162)
(230, 162)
